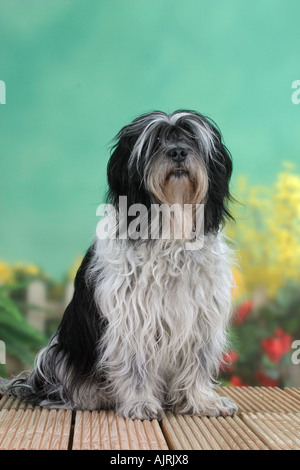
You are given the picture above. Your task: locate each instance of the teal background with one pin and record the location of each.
(77, 71)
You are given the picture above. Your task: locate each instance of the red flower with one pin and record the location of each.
(276, 347)
(243, 311)
(228, 358)
(266, 381)
(286, 340)
(236, 381)
(272, 347)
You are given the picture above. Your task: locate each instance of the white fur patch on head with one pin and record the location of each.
(201, 131)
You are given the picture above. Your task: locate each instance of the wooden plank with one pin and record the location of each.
(131, 434)
(253, 431)
(175, 436)
(25, 439)
(13, 403)
(141, 435)
(278, 425)
(203, 439)
(218, 437)
(124, 434)
(95, 431)
(105, 430)
(263, 398)
(39, 430)
(7, 420)
(171, 432)
(61, 430)
(10, 425)
(269, 436)
(295, 392)
(52, 430)
(81, 439)
(286, 398)
(187, 427)
(275, 401)
(198, 433)
(271, 421)
(252, 440)
(17, 423)
(46, 438)
(238, 396)
(105, 434)
(154, 435)
(3, 400)
(205, 435)
(260, 400)
(233, 438)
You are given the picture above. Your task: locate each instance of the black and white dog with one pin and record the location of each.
(146, 328)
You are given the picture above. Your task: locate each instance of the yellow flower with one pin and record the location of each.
(6, 273)
(237, 284)
(74, 268)
(267, 232)
(26, 269)
(32, 270)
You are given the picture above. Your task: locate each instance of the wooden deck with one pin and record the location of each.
(268, 418)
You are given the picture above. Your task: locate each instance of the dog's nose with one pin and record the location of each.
(178, 154)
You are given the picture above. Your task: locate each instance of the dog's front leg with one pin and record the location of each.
(136, 395)
(140, 404)
(202, 400)
(193, 388)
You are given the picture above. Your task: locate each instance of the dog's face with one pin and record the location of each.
(176, 158)
(174, 171)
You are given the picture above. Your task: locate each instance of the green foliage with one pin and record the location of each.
(21, 339)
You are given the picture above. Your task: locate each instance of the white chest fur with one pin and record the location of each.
(161, 302)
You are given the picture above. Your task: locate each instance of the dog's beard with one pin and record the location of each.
(178, 187)
(169, 183)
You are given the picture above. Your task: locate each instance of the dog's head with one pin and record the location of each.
(175, 158)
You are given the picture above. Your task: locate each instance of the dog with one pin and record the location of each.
(146, 329)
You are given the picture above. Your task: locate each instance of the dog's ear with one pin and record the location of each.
(117, 170)
(219, 169)
(124, 179)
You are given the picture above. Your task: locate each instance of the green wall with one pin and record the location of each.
(76, 71)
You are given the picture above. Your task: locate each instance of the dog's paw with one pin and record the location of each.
(223, 406)
(220, 406)
(142, 411)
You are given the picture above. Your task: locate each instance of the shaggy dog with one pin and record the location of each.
(145, 330)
